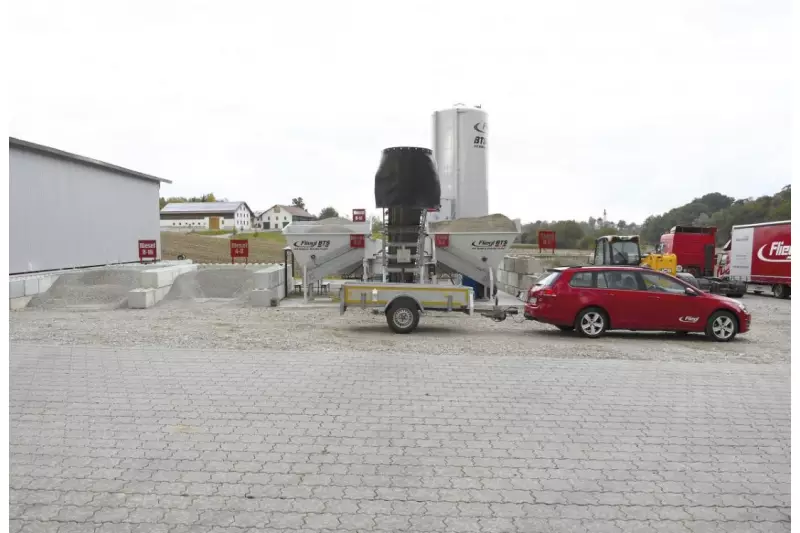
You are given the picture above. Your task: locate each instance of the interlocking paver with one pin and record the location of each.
(140, 441)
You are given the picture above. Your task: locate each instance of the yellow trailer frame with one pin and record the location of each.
(404, 302)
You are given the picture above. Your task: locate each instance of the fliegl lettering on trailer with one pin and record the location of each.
(315, 246)
(481, 244)
(777, 253)
(482, 129)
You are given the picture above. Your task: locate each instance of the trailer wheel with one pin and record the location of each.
(403, 315)
(781, 291)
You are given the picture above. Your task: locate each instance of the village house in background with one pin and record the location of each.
(189, 216)
(278, 216)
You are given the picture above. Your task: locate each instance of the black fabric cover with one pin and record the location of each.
(407, 177)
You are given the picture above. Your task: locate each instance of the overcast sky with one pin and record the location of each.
(631, 106)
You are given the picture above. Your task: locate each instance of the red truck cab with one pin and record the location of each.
(695, 248)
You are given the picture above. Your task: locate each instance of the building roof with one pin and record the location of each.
(203, 207)
(293, 210)
(60, 154)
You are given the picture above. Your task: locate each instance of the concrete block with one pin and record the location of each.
(526, 282)
(512, 279)
(15, 304)
(502, 276)
(262, 297)
(532, 266)
(156, 278)
(46, 282)
(16, 288)
(31, 286)
(141, 298)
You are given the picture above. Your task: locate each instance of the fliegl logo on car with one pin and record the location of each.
(778, 253)
(689, 319)
(489, 245)
(311, 245)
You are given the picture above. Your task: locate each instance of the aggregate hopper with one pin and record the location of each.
(474, 247)
(328, 247)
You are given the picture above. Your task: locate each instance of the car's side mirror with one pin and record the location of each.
(690, 292)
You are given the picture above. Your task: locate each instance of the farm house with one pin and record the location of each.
(206, 215)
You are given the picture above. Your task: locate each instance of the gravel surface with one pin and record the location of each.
(212, 283)
(104, 288)
(230, 324)
(488, 223)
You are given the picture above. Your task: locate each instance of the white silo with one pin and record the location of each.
(460, 149)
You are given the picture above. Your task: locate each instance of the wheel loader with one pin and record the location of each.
(625, 250)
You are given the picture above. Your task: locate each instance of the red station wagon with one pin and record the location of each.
(595, 299)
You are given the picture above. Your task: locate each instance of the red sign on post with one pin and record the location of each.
(442, 240)
(147, 251)
(357, 241)
(547, 240)
(240, 248)
(359, 215)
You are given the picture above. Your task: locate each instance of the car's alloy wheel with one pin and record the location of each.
(721, 326)
(591, 323)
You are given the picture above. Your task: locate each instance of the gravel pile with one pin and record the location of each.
(212, 283)
(329, 228)
(224, 324)
(104, 288)
(489, 223)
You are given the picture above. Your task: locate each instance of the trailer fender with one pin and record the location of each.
(404, 295)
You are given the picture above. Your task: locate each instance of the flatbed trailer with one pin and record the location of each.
(404, 303)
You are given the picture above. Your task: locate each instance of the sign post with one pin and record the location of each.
(147, 250)
(240, 248)
(547, 240)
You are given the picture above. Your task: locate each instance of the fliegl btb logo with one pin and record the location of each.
(777, 253)
(480, 140)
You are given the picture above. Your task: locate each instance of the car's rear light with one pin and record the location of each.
(547, 293)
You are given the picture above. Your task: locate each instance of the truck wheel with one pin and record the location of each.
(722, 326)
(403, 315)
(591, 322)
(781, 291)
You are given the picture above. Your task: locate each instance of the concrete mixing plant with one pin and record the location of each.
(437, 232)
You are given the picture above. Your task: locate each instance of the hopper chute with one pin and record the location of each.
(474, 247)
(328, 247)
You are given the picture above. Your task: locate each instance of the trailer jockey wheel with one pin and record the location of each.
(403, 315)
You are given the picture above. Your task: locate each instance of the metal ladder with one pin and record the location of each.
(421, 263)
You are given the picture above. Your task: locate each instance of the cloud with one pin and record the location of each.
(630, 106)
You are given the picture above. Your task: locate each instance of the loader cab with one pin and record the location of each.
(617, 250)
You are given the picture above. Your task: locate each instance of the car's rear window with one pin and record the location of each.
(581, 280)
(548, 279)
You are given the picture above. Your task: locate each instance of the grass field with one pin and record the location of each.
(264, 248)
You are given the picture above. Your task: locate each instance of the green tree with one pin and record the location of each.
(328, 212)
(298, 202)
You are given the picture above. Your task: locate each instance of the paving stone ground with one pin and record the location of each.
(180, 441)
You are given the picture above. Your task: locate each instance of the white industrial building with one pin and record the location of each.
(279, 216)
(207, 215)
(69, 211)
